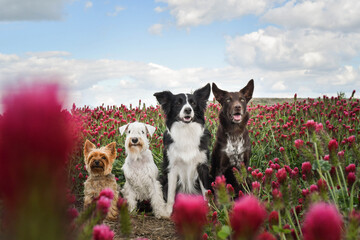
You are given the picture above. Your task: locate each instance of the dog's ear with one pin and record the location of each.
(150, 129)
(88, 147)
(203, 93)
(111, 149)
(164, 98)
(122, 129)
(248, 90)
(218, 93)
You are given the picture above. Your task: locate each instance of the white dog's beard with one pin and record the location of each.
(137, 149)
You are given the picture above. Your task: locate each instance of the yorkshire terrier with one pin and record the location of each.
(98, 162)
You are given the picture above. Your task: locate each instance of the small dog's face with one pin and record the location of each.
(234, 103)
(99, 161)
(184, 107)
(136, 136)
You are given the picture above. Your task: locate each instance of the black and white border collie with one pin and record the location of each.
(186, 141)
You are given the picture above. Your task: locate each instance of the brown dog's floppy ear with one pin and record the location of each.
(218, 93)
(164, 98)
(248, 90)
(88, 147)
(111, 149)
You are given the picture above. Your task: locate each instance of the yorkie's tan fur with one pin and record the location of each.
(98, 162)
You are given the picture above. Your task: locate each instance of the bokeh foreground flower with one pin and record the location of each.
(246, 217)
(189, 215)
(323, 221)
(36, 137)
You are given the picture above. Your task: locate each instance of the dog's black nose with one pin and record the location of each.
(96, 162)
(237, 107)
(134, 140)
(187, 110)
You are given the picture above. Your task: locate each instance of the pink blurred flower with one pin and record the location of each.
(326, 157)
(265, 236)
(351, 139)
(36, 136)
(311, 125)
(273, 218)
(319, 127)
(102, 232)
(230, 189)
(72, 213)
(299, 143)
(341, 153)
(107, 192)
(322, 222)
(103, 204)
(246, 217)
(314, 188)
(306, 168)
(281, 175)
(350, 168)
(189, 214)
(281, 149)
(219, 181)
(351, 178)
(333, 145)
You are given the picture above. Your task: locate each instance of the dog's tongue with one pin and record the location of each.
(237, 117)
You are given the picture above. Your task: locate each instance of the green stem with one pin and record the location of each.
(297, 221)
(292, 224)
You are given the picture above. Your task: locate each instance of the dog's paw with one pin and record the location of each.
(169, 209)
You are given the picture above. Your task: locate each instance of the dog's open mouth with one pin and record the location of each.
(236, 117)
(187, 119)
(97, 167)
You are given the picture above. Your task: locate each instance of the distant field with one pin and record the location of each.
(272, 101)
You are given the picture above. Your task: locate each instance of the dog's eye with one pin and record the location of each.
(104, 157)
(129, 132)
(228, 100)
(143, 132)
(192, 102)
(242, 100)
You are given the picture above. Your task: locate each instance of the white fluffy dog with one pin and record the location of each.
(140, 170)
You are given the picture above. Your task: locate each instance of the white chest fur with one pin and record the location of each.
(184, 153)
(235, 149)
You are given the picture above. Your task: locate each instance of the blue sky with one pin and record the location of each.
(120, 51)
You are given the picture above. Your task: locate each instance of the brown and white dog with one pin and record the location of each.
(99, 162)
(232, 145)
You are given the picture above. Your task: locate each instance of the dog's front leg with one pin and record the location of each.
(157, 201)
(172, 178)
(130, 196)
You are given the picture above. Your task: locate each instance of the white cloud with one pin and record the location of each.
(341, 15)
(306, 49)
(88, 5)
(156, 29)
(159, 9)
(48, 54)
(192, 13)
(25, 10)
(116, 11)
(93, 82)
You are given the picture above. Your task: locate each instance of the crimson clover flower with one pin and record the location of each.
(281, 175)
(102, 232)
(246, 217)
(107, 192)
(333, 145)
(103, 204)
(322, 222)
(299, 143)
(189, 215)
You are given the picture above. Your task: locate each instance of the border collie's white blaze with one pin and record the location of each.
(186, 140)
